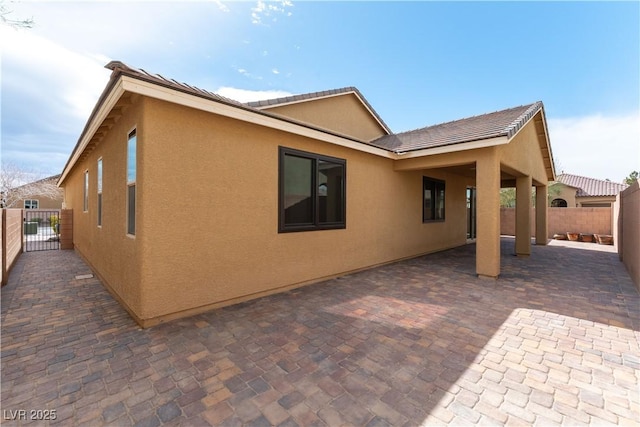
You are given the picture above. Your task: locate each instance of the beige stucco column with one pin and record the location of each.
(523, 216)
(542, 213)
(488, 217)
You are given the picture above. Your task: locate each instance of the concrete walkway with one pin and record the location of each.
(554, 341)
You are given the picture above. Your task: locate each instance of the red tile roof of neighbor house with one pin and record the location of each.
(589, 187)
(500, 123)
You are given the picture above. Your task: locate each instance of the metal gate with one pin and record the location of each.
(41, 230)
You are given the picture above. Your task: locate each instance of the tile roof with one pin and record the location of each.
(39, 181)
(121, 68)
(317, 95)
(590, 187)
(500, 123)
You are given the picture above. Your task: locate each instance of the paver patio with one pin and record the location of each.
(553, 341)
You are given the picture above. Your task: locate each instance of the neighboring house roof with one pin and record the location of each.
(49, 178)
(268, 103)
(591, 187)
(500, 123)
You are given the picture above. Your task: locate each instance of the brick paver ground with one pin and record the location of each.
(554, 341)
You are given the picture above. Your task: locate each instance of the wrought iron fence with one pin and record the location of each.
(41, 230)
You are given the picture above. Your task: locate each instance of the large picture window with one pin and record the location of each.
(312, 191)
(131, 183)
(433, 200)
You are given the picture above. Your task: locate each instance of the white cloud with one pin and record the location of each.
(223, 7)
(244, 95)
(602, 147)
(269, 9)
(48, 93)
(247, 74)
(61, 74)
(275, 71)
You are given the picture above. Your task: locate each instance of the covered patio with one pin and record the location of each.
(507, 148)
(553, 341)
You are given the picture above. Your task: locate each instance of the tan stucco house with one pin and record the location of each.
(283, 193)
(41, 194)
(582, 192)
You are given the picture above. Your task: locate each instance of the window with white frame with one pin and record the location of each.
(99, 176)
(31, 204)
(131, 183)
(85, 193)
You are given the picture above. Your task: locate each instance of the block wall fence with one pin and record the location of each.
(563, 220)
(628, 230)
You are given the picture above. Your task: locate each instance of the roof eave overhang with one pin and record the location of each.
(122, 83)
(102, 110)
(445, 149)
(263, 119)
(551, 172)
(125, 83)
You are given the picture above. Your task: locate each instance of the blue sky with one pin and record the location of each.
(417, 63)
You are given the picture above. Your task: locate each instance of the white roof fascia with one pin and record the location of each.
(170, 95)
(116, 92)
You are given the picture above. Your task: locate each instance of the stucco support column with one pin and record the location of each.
(542, 214)
(523, 216)
(488, 217)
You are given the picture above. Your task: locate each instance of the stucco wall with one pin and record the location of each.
(112, 254)
(344, 114)
(11, 239)
(563, 220)
(630, 231)
(210, 209)
(522, 155)
(207, 213)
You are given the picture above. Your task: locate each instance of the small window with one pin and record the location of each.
(131, 183)
(433, 200)
(99, 173)
(31, 204)
(85, 193)
(312, 191)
